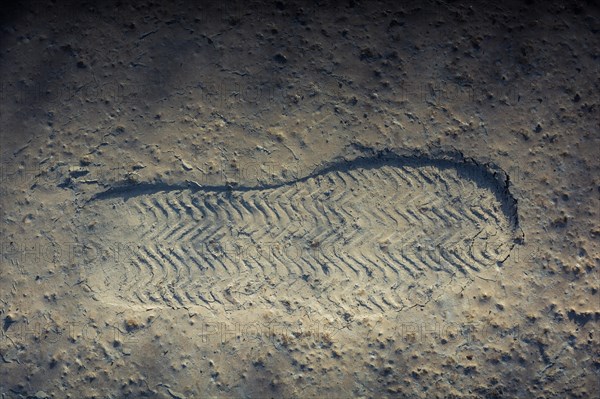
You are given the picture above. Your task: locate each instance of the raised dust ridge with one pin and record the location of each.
(381, 233)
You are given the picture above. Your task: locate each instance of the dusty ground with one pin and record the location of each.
(175, 98)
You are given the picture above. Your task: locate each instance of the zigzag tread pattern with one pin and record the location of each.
(366, 235)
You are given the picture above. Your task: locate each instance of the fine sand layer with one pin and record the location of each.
(291, 199)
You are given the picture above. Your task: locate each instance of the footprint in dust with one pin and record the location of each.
(379, 233)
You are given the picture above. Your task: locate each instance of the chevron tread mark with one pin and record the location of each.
(383, 226)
